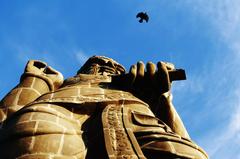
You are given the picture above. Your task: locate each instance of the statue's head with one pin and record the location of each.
(101, 65)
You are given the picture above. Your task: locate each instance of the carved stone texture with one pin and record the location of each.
(102, 112)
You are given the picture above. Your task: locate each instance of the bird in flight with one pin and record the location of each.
(142, 16)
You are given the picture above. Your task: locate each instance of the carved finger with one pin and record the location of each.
(140, 69)
(125, 81)
(132, 73)
(139, 82)
(162, 75)
(49, 70)
(169, 65)
(35, 66)
(55, 76)
(151, 68)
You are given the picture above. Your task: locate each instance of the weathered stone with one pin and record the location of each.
(102, 112)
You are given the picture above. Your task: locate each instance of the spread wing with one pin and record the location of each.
(146, 17)
(143, 16)
(140, 15)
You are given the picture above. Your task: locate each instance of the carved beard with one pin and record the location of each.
(94, 69)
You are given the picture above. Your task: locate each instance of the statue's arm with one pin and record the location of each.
(166, 111)
(152, 84)
(37, 79)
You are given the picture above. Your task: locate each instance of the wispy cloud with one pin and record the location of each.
(193, 84)
(81, 57)
(217, 91)
(222, 141)
(25, 53)
(225, 141)
(224, 15)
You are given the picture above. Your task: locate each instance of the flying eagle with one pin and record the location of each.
(142, 16)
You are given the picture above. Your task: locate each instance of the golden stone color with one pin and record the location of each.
(100, 113)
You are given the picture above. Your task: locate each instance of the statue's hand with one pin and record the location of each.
(41, 69)
(152, 81)
(147, 83)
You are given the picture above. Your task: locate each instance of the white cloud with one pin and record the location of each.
(25, 53)
(225, 141)
(81, 57)
(224, 15)
(193, 84)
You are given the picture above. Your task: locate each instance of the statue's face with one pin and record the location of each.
(100, 65)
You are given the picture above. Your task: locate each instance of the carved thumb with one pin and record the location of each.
(55, 76)
(35, 66)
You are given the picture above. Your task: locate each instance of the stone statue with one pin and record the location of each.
(100, 113)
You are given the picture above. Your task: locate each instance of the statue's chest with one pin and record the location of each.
(88, 93)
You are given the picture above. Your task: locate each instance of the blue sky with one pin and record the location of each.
(203, 37)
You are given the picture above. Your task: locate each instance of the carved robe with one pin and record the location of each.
(88, 119)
